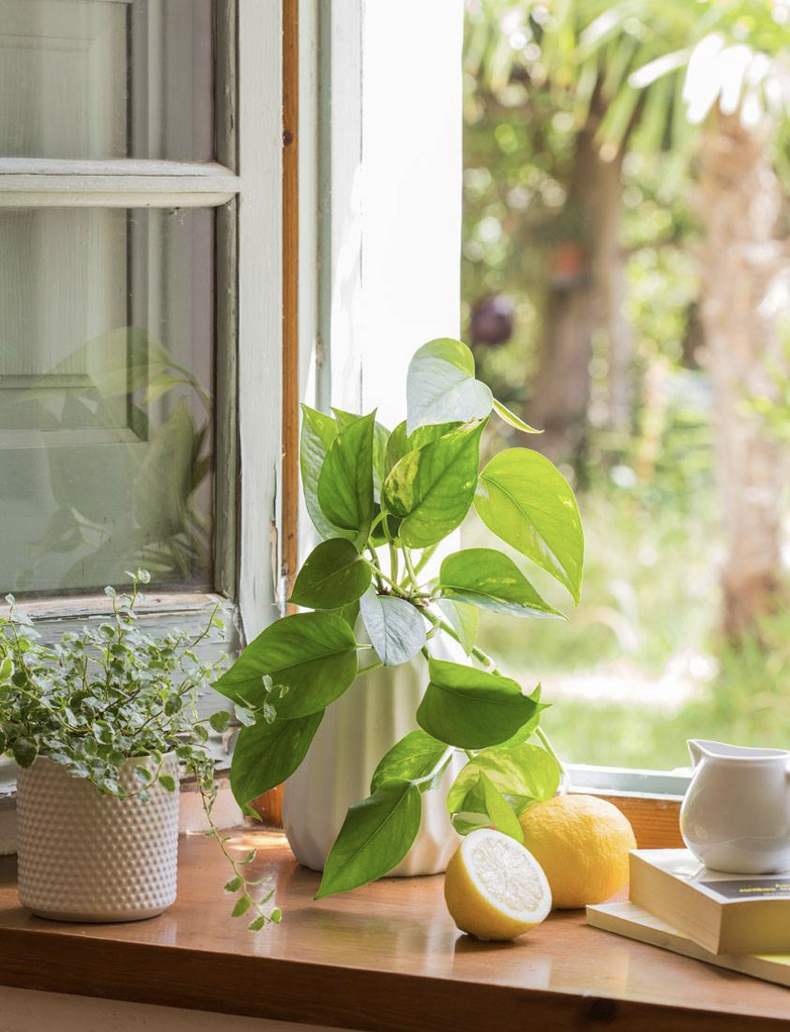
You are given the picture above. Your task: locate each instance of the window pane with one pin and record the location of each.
(106, 79)
(106, 387)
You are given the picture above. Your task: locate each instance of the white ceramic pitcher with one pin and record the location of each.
(736, 813)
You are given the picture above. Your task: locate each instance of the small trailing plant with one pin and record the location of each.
(383, 502)
(111, 694)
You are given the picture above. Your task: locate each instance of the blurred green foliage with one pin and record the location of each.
(650, 603)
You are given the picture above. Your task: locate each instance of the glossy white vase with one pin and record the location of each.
(356, 732)
(84, 856)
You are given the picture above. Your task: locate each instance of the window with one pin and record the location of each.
(106, 397)
(613, 173)
(140, 305)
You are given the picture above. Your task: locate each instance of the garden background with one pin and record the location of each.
(626, 279)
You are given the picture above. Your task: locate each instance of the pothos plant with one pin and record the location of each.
(112, 694)
(383, 502)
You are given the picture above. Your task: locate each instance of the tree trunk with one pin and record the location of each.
(581, 300)
(739, 204)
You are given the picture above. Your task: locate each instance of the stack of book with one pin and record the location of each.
(740, 922)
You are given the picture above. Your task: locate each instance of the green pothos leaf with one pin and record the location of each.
(417, 757)
(527, 502)
(431, 489)
(470, 708)
(312, 657)
(345, 483)
(376, 835)
(333, 575)
(441, 385)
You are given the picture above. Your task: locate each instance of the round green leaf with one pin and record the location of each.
(432, 488)
(334, 575)
(25, 751)
(441, 385)
(267, 754)
(376, 835)
(220, 721)
(415, 757)
(345, 484)
(489, 579)
(311, 659)
(527, 502)
(396, 629)
(471, 708)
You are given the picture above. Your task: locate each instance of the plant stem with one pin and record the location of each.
(424, 558)
(409, 568)
(448, 629)
(207, 799)
(393, 584)
(374, 561)
(564, 776)
(393, 562)
(375, 523)
(371, 666)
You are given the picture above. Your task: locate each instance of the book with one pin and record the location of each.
(723, 913)
(631, 921)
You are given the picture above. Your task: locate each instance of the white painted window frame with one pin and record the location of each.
(356, 295)
(244, 186)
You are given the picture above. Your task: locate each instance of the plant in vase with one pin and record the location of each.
(101, 725)
(383, 502)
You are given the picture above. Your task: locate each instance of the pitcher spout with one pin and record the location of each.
(696, 750)
(701, 748)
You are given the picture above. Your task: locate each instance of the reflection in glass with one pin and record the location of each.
(106, 79)
(106, 397)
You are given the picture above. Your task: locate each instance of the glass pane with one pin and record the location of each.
(106, 388)
(106, 79)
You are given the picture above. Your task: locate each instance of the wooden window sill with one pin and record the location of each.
(386, 958)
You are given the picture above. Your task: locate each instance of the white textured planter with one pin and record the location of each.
(357, 730)
(84, 856)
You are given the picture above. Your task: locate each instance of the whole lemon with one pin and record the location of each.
(582, 844)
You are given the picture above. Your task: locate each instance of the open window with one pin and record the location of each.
(140, 307)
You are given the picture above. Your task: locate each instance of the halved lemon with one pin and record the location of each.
(494, 887)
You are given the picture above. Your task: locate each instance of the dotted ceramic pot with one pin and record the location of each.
(84, 856)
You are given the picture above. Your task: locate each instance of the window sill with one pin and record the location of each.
(384, 958)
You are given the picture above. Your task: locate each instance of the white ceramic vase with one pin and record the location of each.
(356, 732)
(84, 856)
